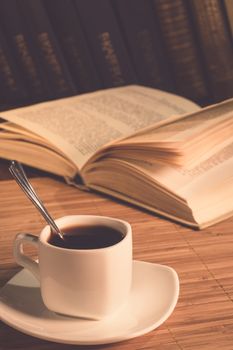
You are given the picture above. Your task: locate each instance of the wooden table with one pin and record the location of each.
(203, 317)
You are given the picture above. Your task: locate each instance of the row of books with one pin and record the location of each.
(55, 48)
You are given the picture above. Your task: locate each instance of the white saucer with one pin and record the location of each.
(153, 297)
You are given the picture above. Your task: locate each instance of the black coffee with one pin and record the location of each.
(87, 237)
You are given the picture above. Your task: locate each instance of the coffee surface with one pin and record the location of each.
(87, 237)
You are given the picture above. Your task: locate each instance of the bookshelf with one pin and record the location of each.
(57, 48)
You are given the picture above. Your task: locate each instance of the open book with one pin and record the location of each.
(151, 148)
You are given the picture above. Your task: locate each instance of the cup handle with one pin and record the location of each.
(21, 258)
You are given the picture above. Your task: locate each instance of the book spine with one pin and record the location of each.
(106, 44)
(182, 49)
(21, 50)
(47, 48)
(141, 34)
(73, 44)
(216, 44)
(13, 90)
(228, 5)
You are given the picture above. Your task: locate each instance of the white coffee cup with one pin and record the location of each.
(89, 283)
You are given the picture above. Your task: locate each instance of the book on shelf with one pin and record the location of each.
(21, 51)
(106, 44)
(46, 48)
(13, 90)
(144, 146)
(228, 7)
(215, 41)
(65, 22)
(182, 49)
(141, 34)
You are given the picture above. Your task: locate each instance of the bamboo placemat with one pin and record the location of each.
(203, 317)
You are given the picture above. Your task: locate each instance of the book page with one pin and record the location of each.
(81, 125)
(219, 160)
(195, 124)
(186, 182)
(210, 195)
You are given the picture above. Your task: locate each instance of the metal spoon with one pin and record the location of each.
(16, 169)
